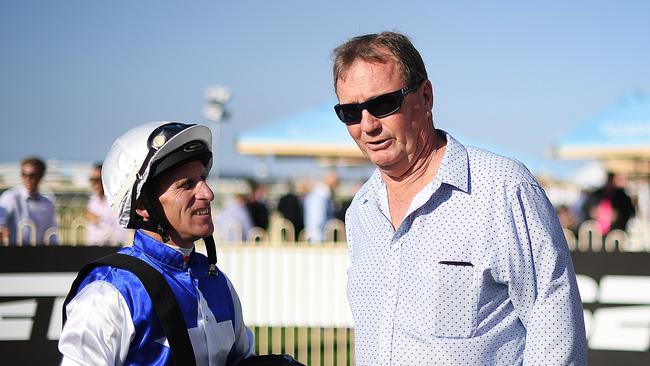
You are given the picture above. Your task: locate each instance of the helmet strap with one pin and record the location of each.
(157, 221)
(212, 255)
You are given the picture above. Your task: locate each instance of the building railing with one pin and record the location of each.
(71, 230)
(326, 346)
(589, 239)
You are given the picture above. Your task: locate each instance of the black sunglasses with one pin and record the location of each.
(30, 175)
(379, 106)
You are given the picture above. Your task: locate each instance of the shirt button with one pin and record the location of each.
(391, 293)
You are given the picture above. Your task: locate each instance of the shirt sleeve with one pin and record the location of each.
(99, 328)
(5, 206)
(542, 283)
(244, 341)
(315, 216)
(3, 216)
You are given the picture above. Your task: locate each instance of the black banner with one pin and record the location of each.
(615, 290)
(33, 286)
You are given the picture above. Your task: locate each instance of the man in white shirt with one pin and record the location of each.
(319, 207)
(233, 222)
(457, 257)
(30, 217)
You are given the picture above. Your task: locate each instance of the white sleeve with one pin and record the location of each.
(5, 205)
(99, 328)
(543, 288)
(244, 339)
(315, 208)
(3, 214)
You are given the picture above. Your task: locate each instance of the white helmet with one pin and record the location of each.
(144, 152)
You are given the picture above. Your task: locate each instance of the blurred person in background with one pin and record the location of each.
(256, 205)
(319, 206)
(26, 208)
(233, 221)
(610, 206)
(102, 228)
(291, 208)
(567, 218)
(579, 208)
(4, 231)
(457, 256)
(343, 205)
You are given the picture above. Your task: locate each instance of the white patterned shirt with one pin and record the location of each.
(478, 273)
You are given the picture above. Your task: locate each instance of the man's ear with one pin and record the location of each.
(428, 95)
(140, 210)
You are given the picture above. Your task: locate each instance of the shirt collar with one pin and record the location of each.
(157, 250)
(454, 167)
(24, 194)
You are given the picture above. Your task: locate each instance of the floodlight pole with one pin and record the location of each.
(216, 98)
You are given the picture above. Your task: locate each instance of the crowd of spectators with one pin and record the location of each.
(609, 206)
(28, 217)
(307, 207)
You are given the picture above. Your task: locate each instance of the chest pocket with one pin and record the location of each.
(455, 300)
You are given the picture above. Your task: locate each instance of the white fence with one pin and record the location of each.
(290, 286)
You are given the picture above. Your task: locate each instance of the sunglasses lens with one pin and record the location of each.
(347, 113)
(381, 106)
(384, 105)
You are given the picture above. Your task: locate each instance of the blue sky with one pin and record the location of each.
(76, 74)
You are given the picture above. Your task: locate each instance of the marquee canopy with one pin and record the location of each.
(621, 131)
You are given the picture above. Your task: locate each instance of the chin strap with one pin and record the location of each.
(212, 255)
(157, 222)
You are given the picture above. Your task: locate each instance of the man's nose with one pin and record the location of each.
(369, 123)
(204, 191)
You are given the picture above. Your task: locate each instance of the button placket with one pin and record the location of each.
(391, 292)
(392, 280)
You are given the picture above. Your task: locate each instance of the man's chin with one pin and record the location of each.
(381, 158)
(198, 234)
(207, 231)
(384, 164)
